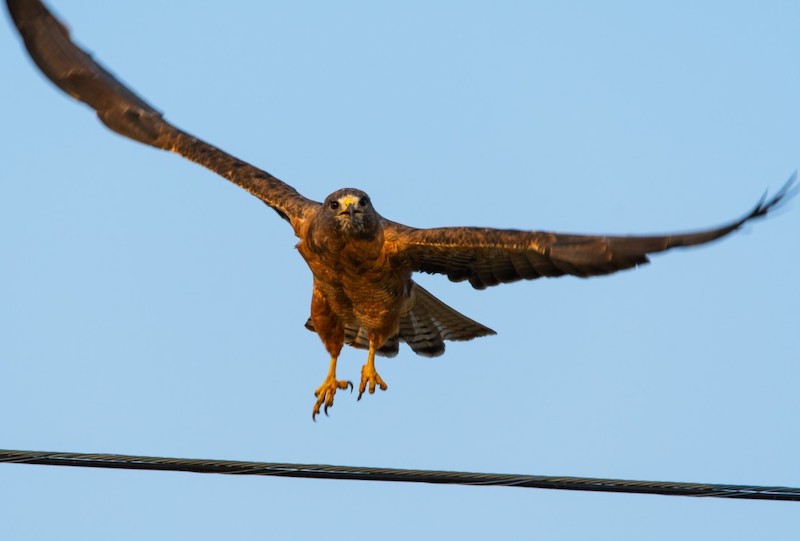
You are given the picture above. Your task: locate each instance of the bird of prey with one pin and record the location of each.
(362, 263)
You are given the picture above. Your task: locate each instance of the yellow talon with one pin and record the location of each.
(370, 376)
(327, 390)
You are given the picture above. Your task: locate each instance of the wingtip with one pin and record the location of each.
(28, 13)
(767, 204)
(790, 189)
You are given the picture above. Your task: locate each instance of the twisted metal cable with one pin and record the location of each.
(320, 471)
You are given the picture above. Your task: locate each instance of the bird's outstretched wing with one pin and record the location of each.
(487, 257)
(79, 75)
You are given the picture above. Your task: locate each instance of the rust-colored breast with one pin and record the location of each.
(357, 279)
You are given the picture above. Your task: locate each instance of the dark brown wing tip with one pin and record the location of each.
(75, 72)
(765, 206)
(788, 191)
(22, 10)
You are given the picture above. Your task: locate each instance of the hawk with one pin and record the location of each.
(362, 263)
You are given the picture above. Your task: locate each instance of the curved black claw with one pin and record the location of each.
(370, 380)
(325, 394)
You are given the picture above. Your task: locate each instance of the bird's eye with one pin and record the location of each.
(364, 201)
(334, 205)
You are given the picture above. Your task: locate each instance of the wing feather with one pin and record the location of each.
(75, 72)
(487, 257)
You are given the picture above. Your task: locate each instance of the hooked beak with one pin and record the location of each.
(349, 204)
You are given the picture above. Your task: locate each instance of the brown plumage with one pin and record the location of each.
(362, 264)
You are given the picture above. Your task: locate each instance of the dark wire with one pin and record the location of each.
(318, 471)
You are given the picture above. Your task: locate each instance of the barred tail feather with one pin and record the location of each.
(424, 328)
(430, 322)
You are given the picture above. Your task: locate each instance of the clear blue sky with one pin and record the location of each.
(149, 307)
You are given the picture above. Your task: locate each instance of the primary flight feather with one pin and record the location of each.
(362, 263)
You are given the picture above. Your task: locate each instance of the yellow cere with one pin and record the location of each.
(348, 200)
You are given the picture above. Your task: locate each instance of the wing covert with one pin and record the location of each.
(487, 257)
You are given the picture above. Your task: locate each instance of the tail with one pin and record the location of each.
(430, 322)
(424, 328)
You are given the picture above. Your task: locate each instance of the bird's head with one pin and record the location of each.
(351, 212)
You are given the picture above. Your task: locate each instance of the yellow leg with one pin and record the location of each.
(370, 375)
(327, 390)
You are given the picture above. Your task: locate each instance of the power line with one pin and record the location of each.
(319, 471)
